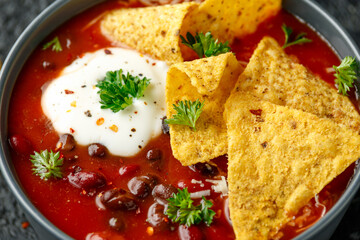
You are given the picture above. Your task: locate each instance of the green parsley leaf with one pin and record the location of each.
(55, 43)
(181, 209)
(207, 213)
(205, 45)
(300, 38)
(118, 90)
(47, 164)
(187, 114)
(346, 73)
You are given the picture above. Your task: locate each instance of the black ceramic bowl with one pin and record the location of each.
(62, 10)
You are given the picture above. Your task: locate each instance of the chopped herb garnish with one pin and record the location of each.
(182, 210)
(205, 45)
(118, 90)
(187, 114)
(346, 73)
(47, 164)
(55, 43)
(299, 39)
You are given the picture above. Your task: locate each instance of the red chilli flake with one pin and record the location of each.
(256, 112)
(69, 57)
(69, 91)
(153, 64)
(72, 130)
(25, 225)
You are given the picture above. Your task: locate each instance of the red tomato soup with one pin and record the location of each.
(95, 212)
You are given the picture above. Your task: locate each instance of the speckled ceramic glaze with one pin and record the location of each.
(60, 11)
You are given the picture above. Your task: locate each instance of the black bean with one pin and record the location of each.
(96, 150)
(154, 154)
(141, 186)
(49, 65)
(206, 169)
(162, 192)
(155, 157)
(156, 217)
(117, 223)
(66, 142)
(164, 126)
(70, 157)
(75, 169)
(117, 199)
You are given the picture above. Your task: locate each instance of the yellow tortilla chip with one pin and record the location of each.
(227, 19)
(210, 80)
(151, 30)
(279, 158)
(273, 76)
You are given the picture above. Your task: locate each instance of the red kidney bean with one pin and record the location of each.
(117, 223)
(117, 199)
(128, 169)
(190, 233)
(206, 169)
(96, 150)
(141, 186)
(156, 217)
(20, 144)
(66, 142)
(86, 180)
(162, 192)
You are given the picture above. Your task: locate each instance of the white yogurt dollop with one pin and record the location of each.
(71, 101)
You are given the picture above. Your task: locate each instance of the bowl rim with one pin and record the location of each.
(27, 39)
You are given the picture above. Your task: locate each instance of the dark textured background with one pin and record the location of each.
(15, 15)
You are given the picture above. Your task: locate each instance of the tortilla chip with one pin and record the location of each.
(273, 76)
(151, 30)
(210, 80)
(279, 158)
(230, 18)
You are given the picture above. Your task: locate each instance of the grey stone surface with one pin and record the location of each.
(15, 15)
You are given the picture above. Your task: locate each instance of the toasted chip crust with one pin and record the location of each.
(210, 80)
(273, 76)
(230, 18)
(151, 30)
(279, 158)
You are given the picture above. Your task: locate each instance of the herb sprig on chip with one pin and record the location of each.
(187, 114)
(205, 45)
(346, 73)
(299, 39)
(118, 90)
(182, 210)
(47, 164)
(55, 43)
